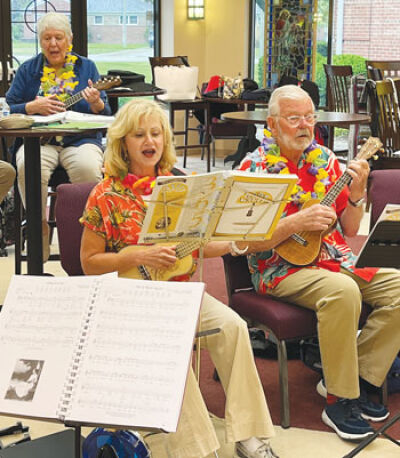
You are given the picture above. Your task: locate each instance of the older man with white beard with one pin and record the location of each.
(330, 284)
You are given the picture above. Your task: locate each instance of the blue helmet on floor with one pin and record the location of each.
(101, 443)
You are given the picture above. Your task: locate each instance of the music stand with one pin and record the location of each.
(63, 444)
(382, 247)
(379, 431)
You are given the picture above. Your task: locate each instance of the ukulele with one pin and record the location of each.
(183, 265)
(304, 247)
(100, 85)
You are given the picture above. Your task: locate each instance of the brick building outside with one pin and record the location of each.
(369, 28)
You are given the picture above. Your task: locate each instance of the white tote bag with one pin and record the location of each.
(179, 82)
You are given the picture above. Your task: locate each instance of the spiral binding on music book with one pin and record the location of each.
(73, 369)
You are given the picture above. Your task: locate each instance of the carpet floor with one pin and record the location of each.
(305, 403)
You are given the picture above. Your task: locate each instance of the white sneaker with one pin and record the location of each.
(264, 451)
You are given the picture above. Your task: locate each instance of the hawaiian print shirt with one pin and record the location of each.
(317, 170)
(115, 210)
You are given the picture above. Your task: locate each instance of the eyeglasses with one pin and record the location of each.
(294, 121)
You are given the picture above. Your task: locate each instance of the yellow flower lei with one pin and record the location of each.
(275, 163)
(60, 83)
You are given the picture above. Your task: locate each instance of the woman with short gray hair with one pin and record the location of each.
(41, 86)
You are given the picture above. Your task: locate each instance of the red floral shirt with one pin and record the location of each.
(268, 268)
(115, 210)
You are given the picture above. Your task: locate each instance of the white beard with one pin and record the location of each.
(297, 143)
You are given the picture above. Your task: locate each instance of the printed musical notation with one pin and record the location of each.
(97, 350)
(137, 343)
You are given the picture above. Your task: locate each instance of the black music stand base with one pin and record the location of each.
(56, 445)
(371, 438)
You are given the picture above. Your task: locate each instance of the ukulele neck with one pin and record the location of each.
(336, 189)
(73, 99)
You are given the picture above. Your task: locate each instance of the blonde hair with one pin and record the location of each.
(56, 21)
(127, 120)
(289, 92)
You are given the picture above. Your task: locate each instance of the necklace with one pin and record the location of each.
(273, 162)
(145, 184)
(60, 82)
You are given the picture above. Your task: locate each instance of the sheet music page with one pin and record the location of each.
(253, 206)
(39, 327)
(134, 366)
(190, 200)
(39, 119)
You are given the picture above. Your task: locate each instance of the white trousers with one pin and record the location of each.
(7, 177)
(246, 411)
(82, 163)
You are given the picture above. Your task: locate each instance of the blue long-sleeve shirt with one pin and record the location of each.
(26, 86)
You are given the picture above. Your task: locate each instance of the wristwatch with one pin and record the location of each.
(357, 203)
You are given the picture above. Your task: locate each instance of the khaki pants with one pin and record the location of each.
(246, 411)
(337, 298)
(7, 177)
(82, 163)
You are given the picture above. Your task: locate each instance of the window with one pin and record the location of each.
(98, 20)
(129, 19)
(129, 35)
(133, 20)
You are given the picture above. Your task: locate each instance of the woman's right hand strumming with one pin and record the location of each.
(45, 106)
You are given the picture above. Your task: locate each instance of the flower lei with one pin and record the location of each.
(275, 163)
(145, 184)
(60, 83)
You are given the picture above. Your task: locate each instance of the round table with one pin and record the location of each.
(32, 138)
(324, 117)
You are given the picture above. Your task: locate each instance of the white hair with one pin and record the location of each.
(289, 92)
(56, 21)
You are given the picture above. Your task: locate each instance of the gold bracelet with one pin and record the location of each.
(236, 251)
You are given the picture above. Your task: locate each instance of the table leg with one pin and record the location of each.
(33, 205)
(207, 120)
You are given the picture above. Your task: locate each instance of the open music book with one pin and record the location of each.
(97, 350)
(226, 205)
(382, 247)
(71, 116)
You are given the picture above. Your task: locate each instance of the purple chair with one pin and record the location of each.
(384, 187)
(284, 321)
(71, 201)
